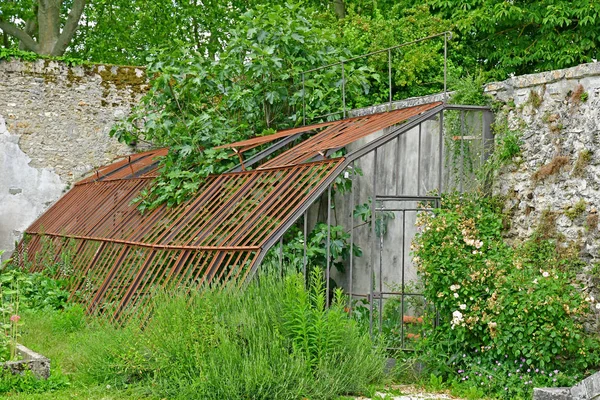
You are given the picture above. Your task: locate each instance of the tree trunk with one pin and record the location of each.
(339, 7)
(30, 29)
(49, 25)
(50, 39)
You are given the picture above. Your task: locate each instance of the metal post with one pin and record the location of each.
(380, 277)
(373, 243)
(390, 76)
(351, 282)
(419, 163)
(403, 279)
(398, 165)
(482, 138)
(281, 256)
(445, 65)
(462, 151)
(343, 90)
(440, 152)
(303, 101)
(304, 259)
(328, 272)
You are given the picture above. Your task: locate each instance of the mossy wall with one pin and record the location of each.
(553, 185)
(54, 124)
(63, 113)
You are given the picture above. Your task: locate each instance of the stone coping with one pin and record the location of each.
(587, 389)
(541, 78)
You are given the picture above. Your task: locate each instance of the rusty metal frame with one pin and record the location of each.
(222, 234)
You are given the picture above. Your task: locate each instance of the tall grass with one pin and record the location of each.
(273, 340)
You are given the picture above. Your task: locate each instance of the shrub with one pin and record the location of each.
(36, 290)
(500, 306)
(274, 339)
(28, 383)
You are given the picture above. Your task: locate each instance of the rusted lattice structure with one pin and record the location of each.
(118, 256)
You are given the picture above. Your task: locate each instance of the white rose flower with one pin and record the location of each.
(456, 295)
(457, 318)
(545, 274)
(464, 306)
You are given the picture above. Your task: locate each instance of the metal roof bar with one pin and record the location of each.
(147, 245)
(298, 212)
(266, 152)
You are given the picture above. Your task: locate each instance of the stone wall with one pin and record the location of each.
(54, 124)
(556, 179)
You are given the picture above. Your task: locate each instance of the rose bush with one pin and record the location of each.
(498, 304)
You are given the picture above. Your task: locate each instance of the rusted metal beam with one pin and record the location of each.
(222, 234)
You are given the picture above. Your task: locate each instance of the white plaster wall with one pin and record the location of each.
(25, 192)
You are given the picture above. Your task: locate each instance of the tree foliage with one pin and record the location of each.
(251, 88)
(503, 37)
(128, 31)
(416, 69)
(228, 71)
(518, 37)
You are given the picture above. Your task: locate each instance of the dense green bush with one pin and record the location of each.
(21, 291)
(504, 312)
(274, 339)
(36, 291)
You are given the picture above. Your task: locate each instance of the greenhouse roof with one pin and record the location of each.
(117, 256)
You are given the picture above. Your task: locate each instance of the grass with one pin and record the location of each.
(583, 160)
(579, 95)
(535, 99)
(62, 337)
(272, 340)
(80, 392)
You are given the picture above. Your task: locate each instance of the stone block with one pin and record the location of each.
(562, 393)
(587, 389)
(31, 361)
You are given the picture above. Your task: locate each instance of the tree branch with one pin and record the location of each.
(339, 8)
(30, 28)
(20, 34)
(70, 27)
